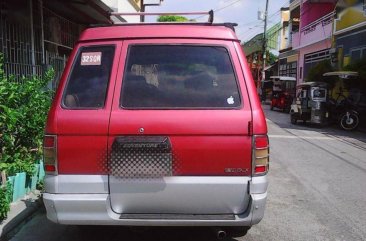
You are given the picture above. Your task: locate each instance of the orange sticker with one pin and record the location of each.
(91, 58)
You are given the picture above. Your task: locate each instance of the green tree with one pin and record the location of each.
(359, 67)
(272, 58)
(316, 72)
(172, 18)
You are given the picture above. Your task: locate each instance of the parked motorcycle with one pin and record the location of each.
(344, 111)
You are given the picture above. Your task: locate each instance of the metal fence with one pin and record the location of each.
(58, 63)
(33, 38)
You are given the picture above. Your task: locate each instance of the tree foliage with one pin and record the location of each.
(23, 112)
(316, 72)
(272, 58)
(5, 199)
(359, 67)
(172, 18)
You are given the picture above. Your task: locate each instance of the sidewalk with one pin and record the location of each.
(20, 212)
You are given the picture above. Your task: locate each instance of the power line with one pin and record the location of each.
(219, 9)
(269, 17)
(222, 8)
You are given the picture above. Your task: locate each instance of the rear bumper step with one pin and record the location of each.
(179, 216)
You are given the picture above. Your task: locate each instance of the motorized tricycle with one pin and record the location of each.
(283, 92)
(347, 104)
(310, 103)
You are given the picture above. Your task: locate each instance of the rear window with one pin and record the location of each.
(88, 81)
(179, 76)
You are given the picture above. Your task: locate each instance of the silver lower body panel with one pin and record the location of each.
(180, 195)
(94, 209)
(85, 200)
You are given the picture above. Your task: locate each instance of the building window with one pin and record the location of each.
(312, 59)
(317, 56)
(358, 53)
(288, 69)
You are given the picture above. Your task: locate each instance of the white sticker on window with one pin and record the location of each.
(230, 100)
(91, 58)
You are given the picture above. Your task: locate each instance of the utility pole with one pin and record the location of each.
(264, 46)
(143, 8)
(142, 17)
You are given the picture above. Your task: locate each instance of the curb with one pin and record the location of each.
(21, 215)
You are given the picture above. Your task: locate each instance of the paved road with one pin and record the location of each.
(317, 192)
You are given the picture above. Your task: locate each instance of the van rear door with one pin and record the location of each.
(178, 140)
(83, 108)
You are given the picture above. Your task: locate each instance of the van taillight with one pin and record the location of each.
(260, 155)
(50, 154)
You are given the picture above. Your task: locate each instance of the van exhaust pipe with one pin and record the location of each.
(220, 233)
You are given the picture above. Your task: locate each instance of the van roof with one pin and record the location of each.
(167, 30)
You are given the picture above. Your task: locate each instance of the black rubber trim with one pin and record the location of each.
(179, 216)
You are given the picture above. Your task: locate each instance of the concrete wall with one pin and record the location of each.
(311, 12)
(284, 36)
(125, 6)
(317, 32)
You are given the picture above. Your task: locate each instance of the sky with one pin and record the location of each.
(243, 12)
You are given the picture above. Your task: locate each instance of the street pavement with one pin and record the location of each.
(317, 192)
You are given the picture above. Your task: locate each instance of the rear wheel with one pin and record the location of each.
(349, 121)
(271, 107)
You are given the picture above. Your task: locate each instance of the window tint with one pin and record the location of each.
(319, 93)
(88, 81)
(179, 76)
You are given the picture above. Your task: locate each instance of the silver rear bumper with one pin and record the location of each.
(85, 200)
(94, 209)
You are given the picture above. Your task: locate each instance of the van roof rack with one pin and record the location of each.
(208, 23)
(210, 13)
(228, 25)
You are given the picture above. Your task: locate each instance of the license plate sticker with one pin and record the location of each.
(91, 58)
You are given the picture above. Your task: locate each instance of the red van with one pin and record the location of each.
(157, 125)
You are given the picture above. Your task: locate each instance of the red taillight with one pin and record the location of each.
(260, 155)
(49, 168)
(261, 141)
(260, 169)
(50, 154)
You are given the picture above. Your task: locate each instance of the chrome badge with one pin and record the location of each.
(236, 170)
